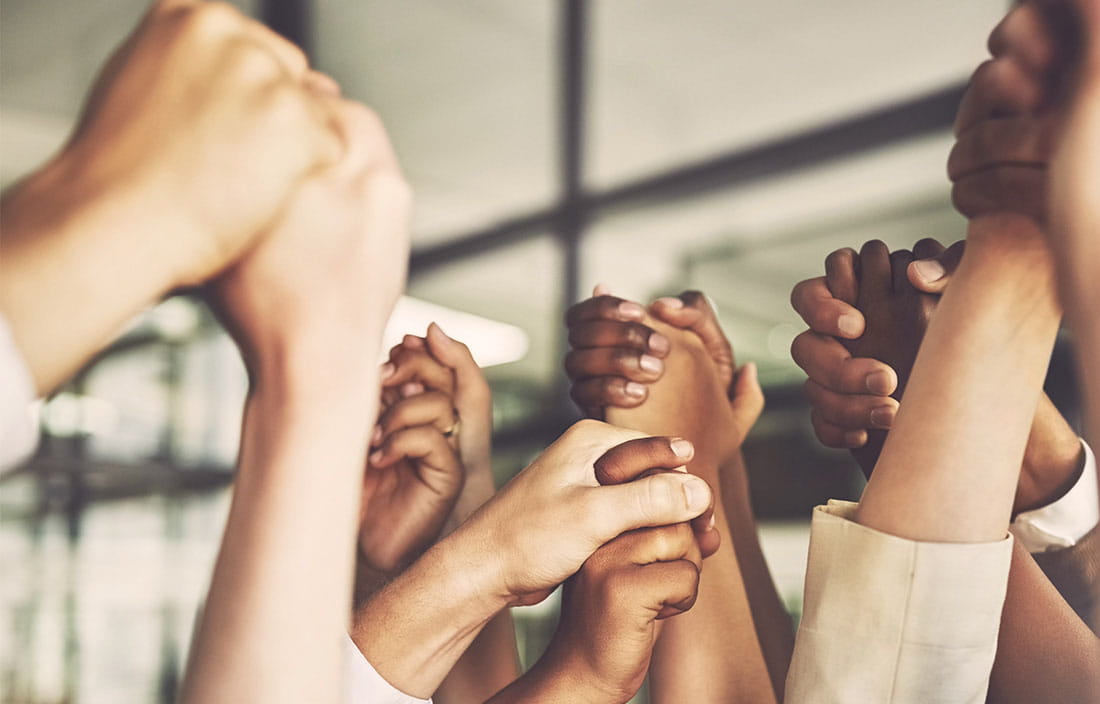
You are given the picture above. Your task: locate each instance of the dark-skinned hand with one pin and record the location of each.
(414, 472)
(896, 313)
(611, 609)
(617, 353)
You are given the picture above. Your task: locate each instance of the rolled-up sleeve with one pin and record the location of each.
(891, 620)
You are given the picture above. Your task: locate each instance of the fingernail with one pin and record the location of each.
(882, 417)
(631, 310)
(634, 389)
(650, 364)
(376, 435)
(697, 493)
(682, 448)
(929, 269)
(601, 290)
(880, 382)
(659, 343)
(375, 457)
(710, 523)
(849, 325)
(855, 438)
(411, 388)
(388, 370)
(671, 302)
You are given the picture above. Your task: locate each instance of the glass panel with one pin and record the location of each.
(467, 93)
(675, 82)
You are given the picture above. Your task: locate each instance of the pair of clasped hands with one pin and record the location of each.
(613, 514)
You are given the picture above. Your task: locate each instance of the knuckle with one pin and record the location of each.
(798, 293)
(661, 541)
(837, 258)
(624, 361)
(659, 497)
(637, 335)
(583, 428)
(822, 319)
(681, 537)
(211, 19)
(927, 243)
(799, 348)
(694, 298)
(838, 375)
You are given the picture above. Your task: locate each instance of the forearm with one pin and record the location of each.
(416, 629)
(1044, 651)
(277, 605)
(713, 652)
(773, 624)
(78, 263)
(949, 470)
(491, 662)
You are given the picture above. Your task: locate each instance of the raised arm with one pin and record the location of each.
(619, 349)
(713, 652)
(307, 308)
(199, 128)
(428, 472)
(1075, 212)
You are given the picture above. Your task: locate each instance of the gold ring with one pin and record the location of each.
(453, 430)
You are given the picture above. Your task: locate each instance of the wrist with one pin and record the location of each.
(553, 679)
(1016, 277)
(417, 627)
(127, 208)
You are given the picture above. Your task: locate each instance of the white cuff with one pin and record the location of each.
(18, 430)
(895, 621)
(363, 684)
(1060, 525)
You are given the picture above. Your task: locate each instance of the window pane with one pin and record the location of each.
(676, 82)
(467, 93)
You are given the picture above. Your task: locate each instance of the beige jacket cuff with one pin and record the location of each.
(891, 620)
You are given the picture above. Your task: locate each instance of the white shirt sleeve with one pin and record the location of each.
(18, 429)
(1060, 525)
(363, 684)
(895, 621)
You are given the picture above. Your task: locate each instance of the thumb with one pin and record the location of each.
(747, 400)
(656, 500)
(933, 274)
(470, 384)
